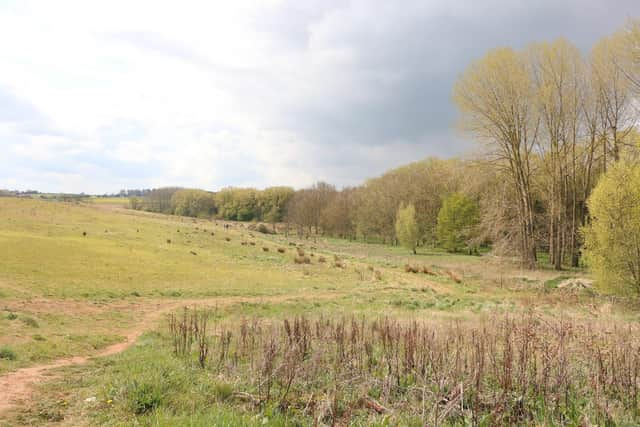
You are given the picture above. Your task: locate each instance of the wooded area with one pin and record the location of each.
(550, 122)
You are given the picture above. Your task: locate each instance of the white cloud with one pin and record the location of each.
(95, 96)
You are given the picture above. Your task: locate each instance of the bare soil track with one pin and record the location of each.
(17, 387)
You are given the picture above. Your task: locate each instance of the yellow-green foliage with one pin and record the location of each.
(407, 227)
(457, 221)
(612, 241)
(197, 203)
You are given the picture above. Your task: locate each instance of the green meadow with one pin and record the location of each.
(76, 278)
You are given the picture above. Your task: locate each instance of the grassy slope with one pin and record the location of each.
(84, 292)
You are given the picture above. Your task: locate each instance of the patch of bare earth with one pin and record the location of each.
(16, 388)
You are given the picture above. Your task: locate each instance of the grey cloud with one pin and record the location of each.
(383, 99)
(405, 58)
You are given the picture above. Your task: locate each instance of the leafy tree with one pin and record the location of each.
(196, 203)
(337, 217)
(237, 204)
(272, 203)
(306, 206)
(420, 183)
(135, 203)
(457, 222)
(612, 240)
(159, 200)
(406, 227)
(495, 98)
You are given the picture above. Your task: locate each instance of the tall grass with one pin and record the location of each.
(506, 370)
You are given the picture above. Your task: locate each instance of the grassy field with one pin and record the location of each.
(75, 278)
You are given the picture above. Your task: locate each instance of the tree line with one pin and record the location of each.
(238, 204)
(551, 123)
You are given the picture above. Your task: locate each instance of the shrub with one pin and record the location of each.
(406, 227)
(144, 396)
(302, 260)
(261, 228)
(457, 222)
(427, 270)
(455, 277)
(12, 316)
(411, 269)
(281, 250)
(612, 241)
(30, 321)
(265, 249)
(222, 391)
(7, 353)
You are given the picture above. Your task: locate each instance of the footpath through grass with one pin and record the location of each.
(75, 278)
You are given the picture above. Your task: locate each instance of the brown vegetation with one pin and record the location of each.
(301, 259)
(503, 371)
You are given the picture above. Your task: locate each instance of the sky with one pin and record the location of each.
(98, 96)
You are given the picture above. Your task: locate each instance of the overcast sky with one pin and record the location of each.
(101, 95)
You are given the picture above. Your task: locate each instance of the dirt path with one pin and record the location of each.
(16, 387)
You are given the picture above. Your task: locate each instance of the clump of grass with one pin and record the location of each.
(38, 337)
(222, 391)
(302, 260)
(265, 249)
(427, 270)
(12, 316)
(454, 276)
(263, 229)
(553, 283)
(30, 321)
(7, 353)
(145, 396)
(322, 259)
(228, 239)
(408, 268)
(281, 250)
